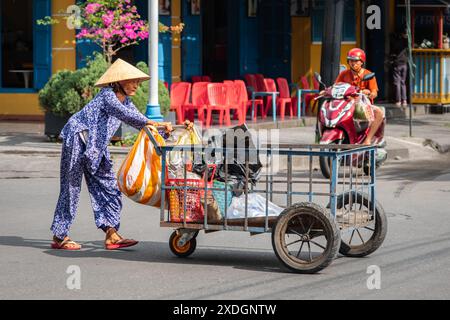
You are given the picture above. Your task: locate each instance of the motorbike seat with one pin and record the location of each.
(360, 125)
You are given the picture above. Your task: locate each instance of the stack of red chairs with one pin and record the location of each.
(283, 99)
(223, 97)
(199, 102)
(230, 96)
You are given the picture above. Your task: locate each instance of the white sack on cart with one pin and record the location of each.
(256, 207)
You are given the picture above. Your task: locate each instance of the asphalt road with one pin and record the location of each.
(414, 260)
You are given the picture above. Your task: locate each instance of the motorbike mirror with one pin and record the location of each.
(318, 77)
(368, 76)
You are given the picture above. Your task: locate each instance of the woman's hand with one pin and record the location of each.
(366, 92)
(151, 123)
(167, 126)
(189, 125)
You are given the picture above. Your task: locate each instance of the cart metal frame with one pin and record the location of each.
(347, 186)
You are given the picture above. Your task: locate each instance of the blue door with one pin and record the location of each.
(43, 45)
(274, 29)
(191, 43)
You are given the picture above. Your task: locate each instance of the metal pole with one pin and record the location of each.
(410, 61)
(153, 109)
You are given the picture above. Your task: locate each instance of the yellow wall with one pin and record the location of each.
(176, 42)
(306, 55)
(301, 43)
(63, 38)
(26, 105)
(18, 105)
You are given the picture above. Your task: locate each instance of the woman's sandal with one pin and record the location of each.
(66, 244)
(121, 243)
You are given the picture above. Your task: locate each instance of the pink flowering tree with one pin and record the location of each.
(114, 25)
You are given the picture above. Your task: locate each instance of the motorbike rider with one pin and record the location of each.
(356, 58)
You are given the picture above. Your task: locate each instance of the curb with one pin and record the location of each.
(436, 146)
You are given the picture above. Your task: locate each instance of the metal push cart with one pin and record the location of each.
(320, 216)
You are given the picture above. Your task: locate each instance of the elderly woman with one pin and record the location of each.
(85, 139)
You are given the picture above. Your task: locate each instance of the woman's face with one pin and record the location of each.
(130, 86)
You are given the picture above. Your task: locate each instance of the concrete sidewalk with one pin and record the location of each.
(431, 133)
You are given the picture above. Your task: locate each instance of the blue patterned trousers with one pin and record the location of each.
(106, 198)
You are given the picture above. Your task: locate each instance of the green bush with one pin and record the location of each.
(141, 97)
(67, 91)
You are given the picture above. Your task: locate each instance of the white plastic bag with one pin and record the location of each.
(256, 207)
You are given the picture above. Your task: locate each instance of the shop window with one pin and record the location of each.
(318, 11)
(16, 44)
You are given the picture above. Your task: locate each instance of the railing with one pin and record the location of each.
(432, 76)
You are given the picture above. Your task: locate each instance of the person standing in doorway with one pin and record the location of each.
(399, 59)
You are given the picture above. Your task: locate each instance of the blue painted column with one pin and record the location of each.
(153, 111)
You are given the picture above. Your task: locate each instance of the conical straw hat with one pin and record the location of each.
(120, 71)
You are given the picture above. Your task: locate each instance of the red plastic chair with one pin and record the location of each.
(199, 101)
(260, 84)
(316, 84)
(206, 79)
(270, 87)
(233, 100)
(246, 103)
(284, 97)
(309, 96)
(196, 79)
(250, 79)
(251, 82)
(217, 97)
(179, 96)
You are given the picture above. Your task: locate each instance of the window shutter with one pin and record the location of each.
(42, 39)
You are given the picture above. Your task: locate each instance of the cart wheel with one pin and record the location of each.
(305, 238)
(365, 237)
(185, 250)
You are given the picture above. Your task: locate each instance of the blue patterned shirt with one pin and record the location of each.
(101, 118)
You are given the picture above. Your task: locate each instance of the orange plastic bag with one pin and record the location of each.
(139, 176)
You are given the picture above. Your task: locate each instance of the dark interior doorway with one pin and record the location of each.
(215, 28)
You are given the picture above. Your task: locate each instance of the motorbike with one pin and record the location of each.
(337, 124)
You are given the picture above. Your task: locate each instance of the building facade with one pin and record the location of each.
(224, 39)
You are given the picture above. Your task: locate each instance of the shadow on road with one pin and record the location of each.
(417, 171)
(159, 252)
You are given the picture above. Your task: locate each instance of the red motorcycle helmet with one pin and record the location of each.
(356, 54)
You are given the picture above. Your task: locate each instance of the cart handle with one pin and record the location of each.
(153, 140)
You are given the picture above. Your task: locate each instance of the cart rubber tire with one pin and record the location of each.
(325, 167)
(184, 251)
(325, 162)
(380, 230)
(306, 210)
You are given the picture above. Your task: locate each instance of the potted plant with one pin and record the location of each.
(67, 92)
(113, 25)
